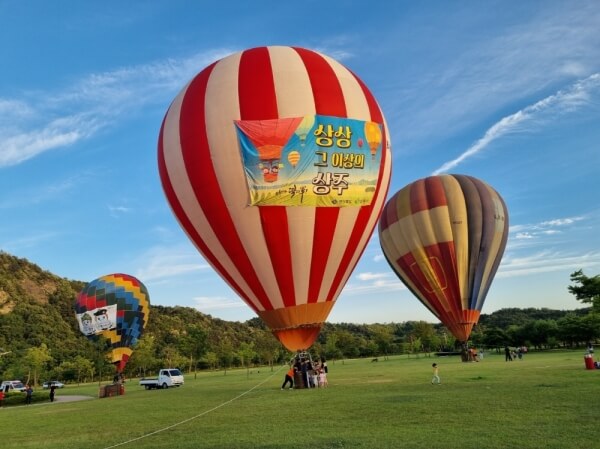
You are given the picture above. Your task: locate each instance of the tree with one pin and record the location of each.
(193, 345)
(246, 353)
(267, 347)
(425, 333)
(384, 338)
(586, 289)
(35, 359)
(143, 358)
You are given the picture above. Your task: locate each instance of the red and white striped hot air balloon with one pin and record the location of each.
(288, 262)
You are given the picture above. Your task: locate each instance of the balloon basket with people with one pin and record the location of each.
(306, 372)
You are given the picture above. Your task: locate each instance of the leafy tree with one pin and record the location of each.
(383, 337)
(35, 359)
(425, 333)
(572, 330)
(144, 358)
(225, 354)
(80, 369)
(415, 346)
(192, 344)
(586, 289)
(332, 352)
(268, 347)
(211, 359)
(246, 353)
(347, 343)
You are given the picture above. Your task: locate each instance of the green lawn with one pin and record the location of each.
(545, 400)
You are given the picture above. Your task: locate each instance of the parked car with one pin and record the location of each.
(12, 385)
(56, 383)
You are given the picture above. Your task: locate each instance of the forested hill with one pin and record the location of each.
(38, 329)
(36, 308)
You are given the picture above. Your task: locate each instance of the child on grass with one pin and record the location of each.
(436, 377)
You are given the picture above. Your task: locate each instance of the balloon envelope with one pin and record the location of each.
(286, 243)
(116, 307)
(444, 236)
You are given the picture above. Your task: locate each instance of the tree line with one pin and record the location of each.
(40, 338)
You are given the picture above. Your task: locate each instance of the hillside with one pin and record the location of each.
(38, 329)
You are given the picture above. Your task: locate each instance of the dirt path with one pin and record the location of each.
(71, 398)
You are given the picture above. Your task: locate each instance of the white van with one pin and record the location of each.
(12, 385)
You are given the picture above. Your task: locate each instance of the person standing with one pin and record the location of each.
(52, 392)
(507, 355)
(1, 398)
(28, 394)
(436, 376)
(289, 377)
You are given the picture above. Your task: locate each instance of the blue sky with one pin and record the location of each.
(505, 91)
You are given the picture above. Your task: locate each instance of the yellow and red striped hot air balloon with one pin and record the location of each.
(293, 158)
(444, 236)
(288, 263)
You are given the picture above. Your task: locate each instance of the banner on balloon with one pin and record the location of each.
(98, 320)
(315, 160)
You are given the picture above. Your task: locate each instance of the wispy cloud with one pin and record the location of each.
(206, 303)
(548, 227)
(42, 193)
(368, 282)
(551, 107)
(43, 121)
(117, 211)
(546, 262)
(16, 246)
(160, 263)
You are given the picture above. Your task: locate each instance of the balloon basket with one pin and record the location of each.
(108, 391)
(303, 358)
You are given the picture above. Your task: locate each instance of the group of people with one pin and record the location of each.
(512, 354)
(29, 394)
(306, 373)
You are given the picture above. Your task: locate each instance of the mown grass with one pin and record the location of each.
(546, 400)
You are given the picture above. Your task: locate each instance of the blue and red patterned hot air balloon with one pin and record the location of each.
(116, 307)
(444, 236)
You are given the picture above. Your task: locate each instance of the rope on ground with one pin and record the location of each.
(197, 416)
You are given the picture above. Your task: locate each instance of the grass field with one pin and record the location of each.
(545, 400)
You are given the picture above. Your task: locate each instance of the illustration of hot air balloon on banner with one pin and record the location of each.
(286, 248)
(444, 236)
(373, 134)
(115, 307)
(293, 158)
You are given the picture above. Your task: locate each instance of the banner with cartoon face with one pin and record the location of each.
(98, 320)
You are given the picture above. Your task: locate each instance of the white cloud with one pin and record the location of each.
(116, 211)
(561, 221)
(544, 228)
(371, 276)
(563, 101)
(43, 193)
(161, 263)
(374, 283)
(378, 258)
(205, 303)
(43, 121)
(546, 262)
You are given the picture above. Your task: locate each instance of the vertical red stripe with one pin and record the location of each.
(258, 101)
(257, 86)
(329, 100)
(362, 221)
(187, 225)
